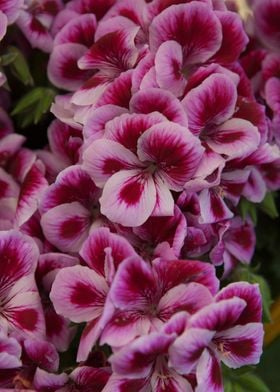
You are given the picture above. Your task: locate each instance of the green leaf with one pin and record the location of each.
(268, 206)
(252, 383)
(266, 297)
(27, 100)
(33, 105)
(248, 209)
(235, 381)
(7, 59)
(44, 104)
(19, 66)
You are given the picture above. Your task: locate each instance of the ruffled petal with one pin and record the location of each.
(156, 100)
(250, 293)
(240, 345)
(173, 150)
(219, 316)
(78, 293)
(168, 67)
(210, 104)
(134, 285)
(93, 250)
(209, 373)
(103, 158)
(129, 197)
(66, 226)
(194, 26)
(187, 349)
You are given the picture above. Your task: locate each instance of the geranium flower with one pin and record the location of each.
(142, 365)
(234, 322)
(266, 15)
(35, 21)
(210, 107)
(58, 330)
(136, 186)
(64, 148)
(21, 308)
(159, 236)
(236, 243)
(79, 292)
(69, 207)
(144, 297)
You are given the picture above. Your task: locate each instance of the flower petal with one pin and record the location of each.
(128, 198)
(48, 381)
(58, 331)
(209, 373)
(105, 157)
(255, 188)
(241, 345)
(19, 256)
(134, 285)
(241, 240)
(88, 339)
(174, 272)
(234, 37)
(159, 229)
(219, 316)
(194, 26)
(266, 23)
(66, 226)
(93, 250)
(174, 150)
(212, 207)
(169, 381)
(31, 191)
(168, 66)
(127, 128)
(136, 360)
(24, 314)
(156, 100)
(113, 53)
(35, 32)
(118, 92)
(189, 298)
(96, 121)
(123, 328)
(42, 353)
(79, 30)
(235, 138)
(210, 104)
(187, 349)
(63, 70)
(78, 293)
(249, 293)
(10, 352)
(86, 377)
(164, 200)
(73, 184)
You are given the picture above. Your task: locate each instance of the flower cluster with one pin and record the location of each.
(110, 236)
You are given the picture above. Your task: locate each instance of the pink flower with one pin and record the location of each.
(145, 296)
(142, 365)
(35, 22)
(229, 330)
(69, 207)
(210, 107)
(79, 292)
(137, 186)
(21, 309)
(10, 352)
